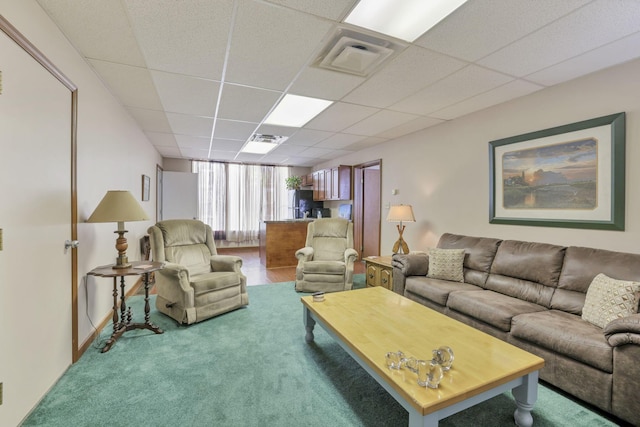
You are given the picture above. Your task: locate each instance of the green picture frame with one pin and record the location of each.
(570, 176)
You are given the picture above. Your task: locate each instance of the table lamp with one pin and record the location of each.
(400, 213)
(119, 206)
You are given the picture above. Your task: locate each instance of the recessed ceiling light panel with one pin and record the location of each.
(403, 19)
(296, 110)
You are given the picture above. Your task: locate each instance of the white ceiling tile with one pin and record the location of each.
(169, 152)
(162, 139)
(325, 84)
(226, 145)
(246, 103)
(308, 137)
(619, 51)
(316, 153)
(133, 86)
(340, 116)
(481, 27)
(303, 161)
(468, 82)
(194, 153)
(331, 9)
(270, 44)
(97, 28)
(366, 143)
(186, 95)
(339, 140)
(228, 129)
(248, 157)
(276, 130)
(380, 122)
(289, 149)
(409, 72)
(410, 127)
(604, 21)
(223, 155)
(190, 125)
(150, 120)
(185, 141)
(274, 158)
(511, 90)
(186, 38)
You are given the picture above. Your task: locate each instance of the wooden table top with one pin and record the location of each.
(137, 268)
(384, 260)
(374, 321)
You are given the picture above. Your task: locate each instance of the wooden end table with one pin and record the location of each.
(379, 271)
(123, 323)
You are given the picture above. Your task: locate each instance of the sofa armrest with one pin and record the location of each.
(226, 263)
(625, 330)
(305, 254)
(172, 282)
(411, 264)
(407, 265)
(350, 256)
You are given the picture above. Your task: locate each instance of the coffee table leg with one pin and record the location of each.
(309, 323)
(526, 396)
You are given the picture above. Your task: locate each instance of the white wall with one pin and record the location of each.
(443, 171)
(112, 154)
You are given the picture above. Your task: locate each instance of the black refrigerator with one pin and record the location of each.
(301, 202)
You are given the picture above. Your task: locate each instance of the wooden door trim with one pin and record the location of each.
(35, 53)
(358, 201)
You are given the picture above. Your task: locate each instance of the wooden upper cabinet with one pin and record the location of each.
(307, 180)
(332, 184)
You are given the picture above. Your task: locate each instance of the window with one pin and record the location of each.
(234, 198)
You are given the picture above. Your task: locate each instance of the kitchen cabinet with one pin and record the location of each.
(332, 184)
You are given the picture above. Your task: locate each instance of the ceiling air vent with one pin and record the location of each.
(262, 144)
(354, 53)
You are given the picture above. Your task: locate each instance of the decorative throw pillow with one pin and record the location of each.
(608, 299)
(446, 264)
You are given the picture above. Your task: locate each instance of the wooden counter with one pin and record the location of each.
(279, 241)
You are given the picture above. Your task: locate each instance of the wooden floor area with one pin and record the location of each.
(258, 274)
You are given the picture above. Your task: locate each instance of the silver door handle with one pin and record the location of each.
(70, 244)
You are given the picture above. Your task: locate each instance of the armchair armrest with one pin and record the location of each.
(226, 263)
(350, 256)
(625, 330)
(411, 264)
(305, 254)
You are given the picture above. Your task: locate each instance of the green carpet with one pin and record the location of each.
(250, 367)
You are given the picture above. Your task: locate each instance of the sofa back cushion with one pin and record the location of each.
(582, 265)
(479, 254)
(526, 270)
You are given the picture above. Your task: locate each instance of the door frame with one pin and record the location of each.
(38, 56)
(358, 203)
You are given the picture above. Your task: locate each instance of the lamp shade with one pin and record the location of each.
(401, 213)
(118, 206)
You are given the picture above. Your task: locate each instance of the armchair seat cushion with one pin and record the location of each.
(566, 334)
(324, 267)
(216, 280)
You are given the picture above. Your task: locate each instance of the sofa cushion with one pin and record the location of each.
(608, 299)
(581, 265)
(208, 282)
(436, 290)
(490, 307)
(526, 270)
(479, 254)
(566, 334)
(446, 264)
(325, 267)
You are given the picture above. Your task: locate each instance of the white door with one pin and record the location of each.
(179, 195)
(35, 218)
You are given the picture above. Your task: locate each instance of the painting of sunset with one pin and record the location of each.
(556, 176)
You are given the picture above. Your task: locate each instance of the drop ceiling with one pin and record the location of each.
(200, 76)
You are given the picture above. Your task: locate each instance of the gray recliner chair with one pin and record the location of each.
(326, 262)
(196, 283)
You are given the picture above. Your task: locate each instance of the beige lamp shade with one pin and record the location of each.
(119, 206)
(401, 213)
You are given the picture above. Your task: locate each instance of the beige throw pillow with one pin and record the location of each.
(608, 299)
(446, 264)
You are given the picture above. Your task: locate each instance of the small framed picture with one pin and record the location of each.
(146, 187)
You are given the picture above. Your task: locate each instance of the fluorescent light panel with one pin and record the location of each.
(256, 147)
(403, 19)
(296, 111)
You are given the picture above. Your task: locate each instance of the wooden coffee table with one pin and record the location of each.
(370, 322)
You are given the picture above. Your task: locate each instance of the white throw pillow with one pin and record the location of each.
(446, 264)
(609, 299)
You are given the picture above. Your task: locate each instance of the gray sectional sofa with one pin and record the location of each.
(532, 295)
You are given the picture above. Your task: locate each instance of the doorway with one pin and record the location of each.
(367, 208)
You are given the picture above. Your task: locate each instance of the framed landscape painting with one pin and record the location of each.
(569, 176)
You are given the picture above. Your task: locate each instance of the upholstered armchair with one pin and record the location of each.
(326, 261)
(196, 283)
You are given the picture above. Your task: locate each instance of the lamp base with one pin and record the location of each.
(122, 261)
(400, 246)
